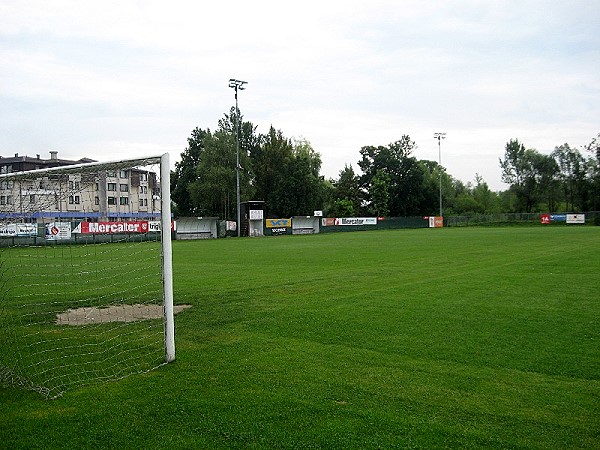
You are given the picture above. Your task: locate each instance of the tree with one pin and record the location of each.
(430, 189)
(380, 193)
(487, 200)
(347, 195)
(593, 169)
(304, 190)
(185, 173)
(287, 175)
(547, 181)
(213, 192)
(524, 169)
(573, 175)
(269, 160)
(405, 175)
(342, 208)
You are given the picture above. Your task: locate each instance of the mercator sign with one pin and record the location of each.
(111, 227)
(355, 221)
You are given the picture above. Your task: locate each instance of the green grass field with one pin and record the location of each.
(451, 338)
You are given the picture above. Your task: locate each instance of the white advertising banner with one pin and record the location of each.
(256, 214)
(575, 218)
(57, 231)
(356, 221)
(154, 225)
(18, 229)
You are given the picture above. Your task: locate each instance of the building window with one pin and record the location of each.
(123, 200)
(96, 200)
(112, 200)
(31, 198)
(124, 187)
(111, 187)
(71, 200)
(123, 174)
(111, 174)
(6, 200)
(143, 177)
(77, 200)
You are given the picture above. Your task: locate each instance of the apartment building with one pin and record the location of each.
(102, 196)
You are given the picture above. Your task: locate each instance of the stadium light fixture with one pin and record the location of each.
(237, 85)
(439, 137)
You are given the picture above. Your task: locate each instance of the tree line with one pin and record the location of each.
(285, 173)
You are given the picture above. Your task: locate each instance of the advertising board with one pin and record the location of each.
(111, 227)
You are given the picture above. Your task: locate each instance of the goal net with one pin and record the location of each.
(85, 273)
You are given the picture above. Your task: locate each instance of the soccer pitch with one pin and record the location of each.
(445, 338)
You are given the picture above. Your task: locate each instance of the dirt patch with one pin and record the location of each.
(115, 313)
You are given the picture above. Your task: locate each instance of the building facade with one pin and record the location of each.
(118, 195)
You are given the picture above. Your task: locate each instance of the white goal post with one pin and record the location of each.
(86, 278)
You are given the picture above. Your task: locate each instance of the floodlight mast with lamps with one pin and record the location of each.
(439, 137)
(237, 85)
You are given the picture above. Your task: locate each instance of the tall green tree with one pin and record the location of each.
(528, 172)
(287, 175)
(430, 190)
(573, 176)
(547, 181)
(185, 173)
(593, 168)
(347, 195)
(404, 172)
(380, 193)
(487, 200)
(302, 190)
(213, 192)
(269, 160)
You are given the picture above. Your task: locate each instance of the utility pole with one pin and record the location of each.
(439, 137)
(237, 85)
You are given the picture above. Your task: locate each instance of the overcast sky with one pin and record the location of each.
(111, 79)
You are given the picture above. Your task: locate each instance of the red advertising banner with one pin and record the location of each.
(545, 218)
(436, 222)
(111, 227)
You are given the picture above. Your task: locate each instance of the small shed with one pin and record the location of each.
(196, 228)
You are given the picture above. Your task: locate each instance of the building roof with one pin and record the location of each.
(25, 162)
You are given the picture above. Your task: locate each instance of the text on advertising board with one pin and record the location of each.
(111, 227)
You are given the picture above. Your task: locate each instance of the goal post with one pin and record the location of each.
(165, 174)
(86, 278)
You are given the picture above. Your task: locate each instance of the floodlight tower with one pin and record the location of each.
(237, 85)
(439, 137)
